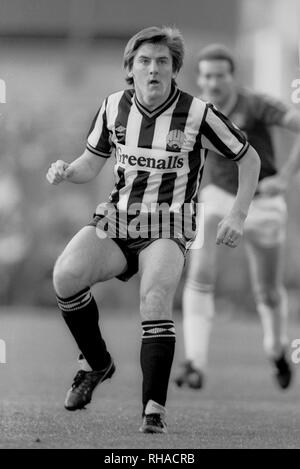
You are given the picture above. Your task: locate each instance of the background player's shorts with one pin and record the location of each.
(265, 224)
(131, 248)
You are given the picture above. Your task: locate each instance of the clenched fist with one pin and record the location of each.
(230, 230)
(58, 172)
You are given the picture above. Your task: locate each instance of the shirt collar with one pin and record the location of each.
(161, 108)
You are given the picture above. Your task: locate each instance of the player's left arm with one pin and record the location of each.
(230, 229)
(279, 183)
(222, 136)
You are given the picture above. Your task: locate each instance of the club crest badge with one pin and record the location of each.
(120, 132)
(175, 140)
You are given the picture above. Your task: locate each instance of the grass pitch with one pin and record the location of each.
(240, 407)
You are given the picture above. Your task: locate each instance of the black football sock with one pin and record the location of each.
(157, 352)
(81, 314)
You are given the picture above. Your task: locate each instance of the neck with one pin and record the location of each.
(152, 103)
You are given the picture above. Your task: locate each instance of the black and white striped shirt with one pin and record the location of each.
(160, 154)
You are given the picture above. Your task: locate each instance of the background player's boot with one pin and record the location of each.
(80, 393)
(283, 372)
(188, 376)
(154, 419)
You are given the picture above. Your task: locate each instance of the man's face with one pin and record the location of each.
(152, 72)
(215, 80)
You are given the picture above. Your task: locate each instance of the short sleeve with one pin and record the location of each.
(221, 136)
(98, 138)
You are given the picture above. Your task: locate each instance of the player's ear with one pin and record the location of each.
(130, 74)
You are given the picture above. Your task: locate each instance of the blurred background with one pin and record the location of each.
(59, 59)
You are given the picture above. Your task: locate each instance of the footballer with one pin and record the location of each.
(265, 228)
(159, 137)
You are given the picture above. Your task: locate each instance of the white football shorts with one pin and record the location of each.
(267, 217)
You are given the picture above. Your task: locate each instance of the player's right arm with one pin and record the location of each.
(89, 164)
(82, 170)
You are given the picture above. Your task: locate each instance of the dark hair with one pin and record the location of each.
(217, 52)
(169, 36)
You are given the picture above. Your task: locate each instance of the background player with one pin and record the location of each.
(264, 228)
(160, 136)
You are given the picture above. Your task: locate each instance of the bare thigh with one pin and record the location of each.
(161, 265)
(202, 261)
(266, 270)
(86, 260)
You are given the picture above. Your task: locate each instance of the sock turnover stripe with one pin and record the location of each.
(157, 321)
(73, 307)
(158, 329)
(158, 336)
(162, 324)
(75, 297)
(78, 303)
(75, 302)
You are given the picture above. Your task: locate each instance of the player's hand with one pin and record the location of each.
(273, 185)
(58, 172)
(230, 230)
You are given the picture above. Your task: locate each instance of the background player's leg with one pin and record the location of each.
(270, 295)
(198, 297)
(86, 260)
(161, 266)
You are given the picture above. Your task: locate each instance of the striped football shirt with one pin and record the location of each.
(160, 154)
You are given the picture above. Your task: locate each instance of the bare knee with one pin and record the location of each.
(202, 262)
(269, 296)
(156, 303)
(201, 277)
(201, 270)
(69, 276)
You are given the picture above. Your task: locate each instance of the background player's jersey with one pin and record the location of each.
(159, 155)
(253, 113)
